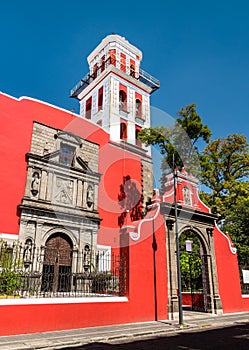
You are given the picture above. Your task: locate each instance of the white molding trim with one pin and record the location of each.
(9, 236)
(136, 235)
(118, 39)
(73, 300)
(232, 248)
(27, 98)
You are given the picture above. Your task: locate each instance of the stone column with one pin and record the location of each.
(74, 193)
(217, 304)
(43, 186)
(22, 228)
(172, 270)
(49, 186)
(95, 207)
(84, 194)
(79, 193)
(28, 182)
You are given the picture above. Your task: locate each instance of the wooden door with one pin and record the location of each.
(57, 264)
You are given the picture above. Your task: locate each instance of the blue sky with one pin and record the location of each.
(199, 50)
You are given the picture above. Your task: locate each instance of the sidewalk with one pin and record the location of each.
(79, 337)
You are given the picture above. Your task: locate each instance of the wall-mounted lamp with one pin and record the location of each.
(188, 246)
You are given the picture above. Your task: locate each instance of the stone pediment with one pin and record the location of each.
(77, 162)
(68, 137)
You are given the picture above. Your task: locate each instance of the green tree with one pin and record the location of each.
(237, 225)
(225, 169)
(191, 122)
(10, 279)
(181, 140)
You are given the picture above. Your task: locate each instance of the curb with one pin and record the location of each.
(127, 333)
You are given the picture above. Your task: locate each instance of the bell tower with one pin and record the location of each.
(115, 94)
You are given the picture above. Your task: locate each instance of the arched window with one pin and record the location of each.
(137, 130)
(100, 98)
(88, 108)
(123, 131)
(122, 100)
(138, 108)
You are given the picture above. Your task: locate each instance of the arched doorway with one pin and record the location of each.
(57, 265)
(184, 212)
(194, 263)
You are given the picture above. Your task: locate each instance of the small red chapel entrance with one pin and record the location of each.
(195, 223)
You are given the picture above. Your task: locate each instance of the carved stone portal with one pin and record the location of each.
(61, 188)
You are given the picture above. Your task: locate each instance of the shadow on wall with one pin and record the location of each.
(130, 200)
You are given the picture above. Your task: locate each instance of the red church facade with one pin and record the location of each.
(43, 197)
(87, 312)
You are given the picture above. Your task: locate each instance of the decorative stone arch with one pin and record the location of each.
(57, 261)
(203, 237)
(194, 216)
(201, 223)
(62, 230)
(209, 282)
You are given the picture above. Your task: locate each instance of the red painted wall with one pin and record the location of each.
(189, 299)
(183, 179)
(17, 117)
(228, 276)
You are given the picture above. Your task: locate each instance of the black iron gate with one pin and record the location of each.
(195, 281)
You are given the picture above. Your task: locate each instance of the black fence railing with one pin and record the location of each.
(142, 76)
(28, 272)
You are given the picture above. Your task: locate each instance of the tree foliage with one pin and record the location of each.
(237, 225)
(225, 168)
(10, 280)
(180, 139)
(191, 122)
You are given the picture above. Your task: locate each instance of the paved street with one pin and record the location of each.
(201, 331)
(236, 337)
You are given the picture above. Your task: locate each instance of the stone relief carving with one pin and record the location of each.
(35, 184)
(27, 256)
(63, 191)
(30, 228)
(187, 196)
(89, 196)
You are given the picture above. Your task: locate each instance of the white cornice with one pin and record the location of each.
(117, 39)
